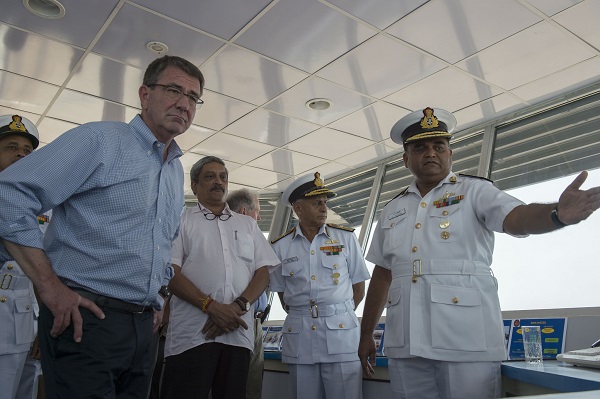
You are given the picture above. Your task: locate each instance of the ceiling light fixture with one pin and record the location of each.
(318, 104)
(49, 9)
(157, 47)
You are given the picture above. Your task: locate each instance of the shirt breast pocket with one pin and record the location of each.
(447, 224)
(245, 247)
(392, 233)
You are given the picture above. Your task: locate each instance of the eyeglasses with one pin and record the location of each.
(175, 94)
(212, 216)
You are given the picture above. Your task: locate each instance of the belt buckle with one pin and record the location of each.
(314, 310)
(4, 285)
(417, 270)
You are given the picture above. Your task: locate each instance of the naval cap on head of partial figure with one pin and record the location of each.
(423, 124)
(16, 125)
(306, 186)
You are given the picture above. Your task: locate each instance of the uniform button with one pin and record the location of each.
(336, 281)
(335, 266)
(312, 301)
(418, 225)
(389, 301)
(423, 204)
(312, 252)
(28, 307)
(10, 266)
(313, 328)
(2, 299)
(291, 273)
(392, 225)
(289, 329)
(313, 277)
(414, 249)
(341, 326)
(445, 234)
(445, 213)
(455, 299)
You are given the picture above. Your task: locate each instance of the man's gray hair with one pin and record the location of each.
(241, 198)
(197, 168)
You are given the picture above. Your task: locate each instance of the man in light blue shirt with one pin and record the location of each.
(245, 202)
(116, 191)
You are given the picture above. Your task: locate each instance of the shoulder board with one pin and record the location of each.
(475, 177)
(399, 195)
(290, 231)
(337, 226)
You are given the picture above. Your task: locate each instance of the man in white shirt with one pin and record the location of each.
(221, 261)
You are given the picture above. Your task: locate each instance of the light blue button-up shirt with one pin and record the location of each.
(116, 208)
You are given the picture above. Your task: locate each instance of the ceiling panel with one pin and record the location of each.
(264, 59)
(82, 22)
(127, 35)
(222, 18)
(308, 34)
(372, 68)
(462, 27)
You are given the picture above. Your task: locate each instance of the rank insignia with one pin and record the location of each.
(448, 200)
(332, 241)
(452, 179)
(332, 249)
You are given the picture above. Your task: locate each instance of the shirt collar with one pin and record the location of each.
(205, 210)
(452, 178)
(149, 139)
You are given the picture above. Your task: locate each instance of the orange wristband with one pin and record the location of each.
(205, 303)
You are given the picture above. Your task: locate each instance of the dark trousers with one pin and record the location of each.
(193, 373)
(114, 359)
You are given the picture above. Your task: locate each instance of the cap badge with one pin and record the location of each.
(17, 124)
(429, 119)
(318, 181)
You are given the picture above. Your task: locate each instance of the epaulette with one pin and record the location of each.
(337, 226)
(475, 177)
(290, 231)
(399, 195)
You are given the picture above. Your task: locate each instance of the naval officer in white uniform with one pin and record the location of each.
(320, 282)
(432, 249)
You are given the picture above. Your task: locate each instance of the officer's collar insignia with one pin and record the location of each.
(452, 179)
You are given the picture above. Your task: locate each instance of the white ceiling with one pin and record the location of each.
(263, 60)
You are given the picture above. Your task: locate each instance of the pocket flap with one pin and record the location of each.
(23, 305)
(341, 322)
(292, 326)
(457, 296)
(394, 296)
(290, 269)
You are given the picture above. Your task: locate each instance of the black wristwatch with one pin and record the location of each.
(243, 303)
(165, 292)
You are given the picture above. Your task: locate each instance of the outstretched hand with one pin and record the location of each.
(576, 205)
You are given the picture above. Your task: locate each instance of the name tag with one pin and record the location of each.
(397, 214)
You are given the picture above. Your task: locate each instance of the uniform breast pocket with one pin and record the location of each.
(245, 247)
(293, 276)
(447, 224)
(391, 230)
(457, 318)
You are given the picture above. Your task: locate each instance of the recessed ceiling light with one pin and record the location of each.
(157, 47)
(49, 9)
(318, 104)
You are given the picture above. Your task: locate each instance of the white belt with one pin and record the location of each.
(421, 267)
(11, 282)
(315, 310)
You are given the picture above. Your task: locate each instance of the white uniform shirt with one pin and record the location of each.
(18, 304)
(443, 300)
(220, 258)
(322, 271)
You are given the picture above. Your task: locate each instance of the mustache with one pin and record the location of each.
(217, 187)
